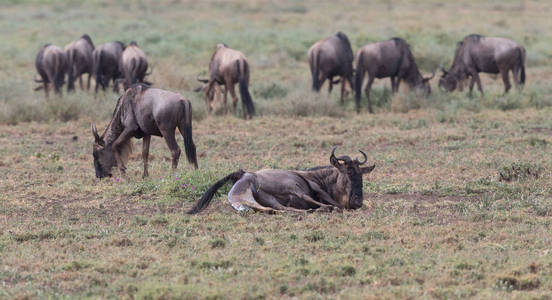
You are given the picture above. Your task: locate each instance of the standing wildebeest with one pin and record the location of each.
(493, 55)
(331, 57)
(80, 61)
(51, 65)
(228, 67)
(338, 185)
(133, 65)
(391, 58)
(142, 112)
(106, 64)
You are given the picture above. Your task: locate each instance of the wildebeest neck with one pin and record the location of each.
(325, 177)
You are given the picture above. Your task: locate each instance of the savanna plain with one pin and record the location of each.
(458, 206)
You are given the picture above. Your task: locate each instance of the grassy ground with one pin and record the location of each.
(459, 204)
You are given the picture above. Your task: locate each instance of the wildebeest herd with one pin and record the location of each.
(142, 111)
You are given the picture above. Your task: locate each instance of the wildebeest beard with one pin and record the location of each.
(355, 195)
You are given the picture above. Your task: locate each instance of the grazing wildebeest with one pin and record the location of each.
(331, 57)
(133, 65)
(391, 58)
(228, 67)
(106, 64)
(80, 61)
(142, 112)
(338, 185)
(477, 53)
(51, 65)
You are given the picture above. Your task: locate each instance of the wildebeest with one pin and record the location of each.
(331, 57)
(477, 53)
(106, 64)
(133, 65)
(228, 67)
(338, 185)
(391, 58)
(51, 65)
(142, 112)
(80, 61)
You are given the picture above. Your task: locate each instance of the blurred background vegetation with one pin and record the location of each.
(179, 37)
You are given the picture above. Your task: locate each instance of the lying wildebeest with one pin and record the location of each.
(477, 53)
(331, 57)
(133, 65)
(228, 67)
(391, 58)
(142, 112)
(338, 185)
(80, 61)
(106, 64)
(51, 65)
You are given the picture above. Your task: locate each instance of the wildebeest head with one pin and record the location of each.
(448, 80)
(104, 159)
(349, 179)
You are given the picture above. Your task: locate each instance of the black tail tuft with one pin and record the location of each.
(210, 193)
(315, 63)
(522, 65)
(359, 78)
(247, 102)
(189, 145)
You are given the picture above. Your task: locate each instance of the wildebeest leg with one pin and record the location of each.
(88, 82)
(506, 80)
(121, 140)
(269, 200)
(393, 84)
(308, 199)
(330, 86)
(224, 100)
(234, 98)
(80, 83)
(168, 135)
(343, 82)
(208, 99)
(478, 80)
(367, 91)
(145, 153)
(472, 82)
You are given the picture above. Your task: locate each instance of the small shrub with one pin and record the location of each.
(315, 236)
(218, 243)
(519, 171)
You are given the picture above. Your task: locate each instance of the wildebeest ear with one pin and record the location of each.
(367, 170)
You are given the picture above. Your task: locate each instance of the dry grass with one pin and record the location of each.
(458, 206)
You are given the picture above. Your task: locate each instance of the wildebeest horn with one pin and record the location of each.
(202, 80)
(365, 158)
(432, 75)
(333, 160)
(443, 69)
(95, 132)
(37, 80)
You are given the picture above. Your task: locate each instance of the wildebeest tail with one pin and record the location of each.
(189, 145)
(243, 75)
(359, 78)
(522, 64)
(315, 64)
(210, 193)
(71, 54)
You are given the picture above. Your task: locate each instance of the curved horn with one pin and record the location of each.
(333, 160)
(365, 158)
(201, 80)
(95, 132)
(37, 80)
(443, 69)
(432, 75)
(151, 71)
